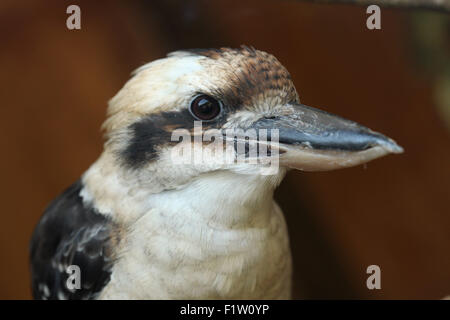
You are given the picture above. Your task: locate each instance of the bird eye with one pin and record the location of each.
(205, 108)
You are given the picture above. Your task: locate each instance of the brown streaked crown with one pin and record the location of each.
(252, 74)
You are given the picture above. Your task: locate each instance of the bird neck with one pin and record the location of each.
(224, 199)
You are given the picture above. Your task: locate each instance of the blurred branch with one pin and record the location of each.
(430, 42)
(438, 5)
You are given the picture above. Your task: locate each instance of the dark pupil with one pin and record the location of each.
(206, 108)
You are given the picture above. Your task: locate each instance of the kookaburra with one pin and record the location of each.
(140, 225)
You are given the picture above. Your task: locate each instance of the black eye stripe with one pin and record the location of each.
(155, 130)
(152, 131)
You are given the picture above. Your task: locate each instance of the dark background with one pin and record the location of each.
(394, 212)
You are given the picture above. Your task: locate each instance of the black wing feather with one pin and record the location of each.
(70, 233)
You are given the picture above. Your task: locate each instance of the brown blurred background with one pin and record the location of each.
(394, 212)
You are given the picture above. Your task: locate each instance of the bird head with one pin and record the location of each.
(235, 96)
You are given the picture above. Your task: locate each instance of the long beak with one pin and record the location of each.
(314, 140)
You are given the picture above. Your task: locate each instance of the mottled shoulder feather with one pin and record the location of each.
(71, 233)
